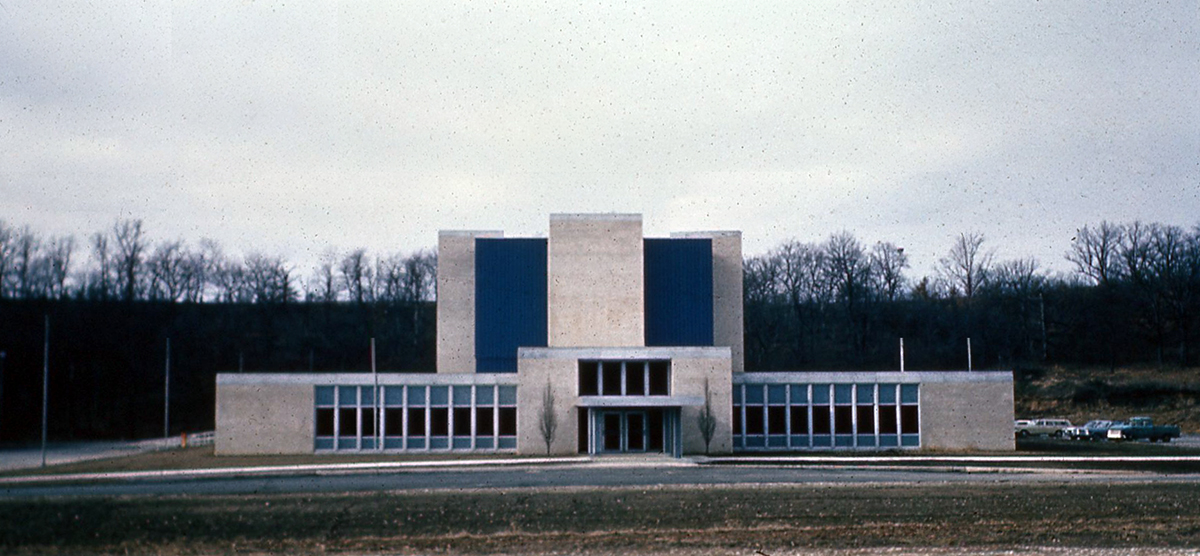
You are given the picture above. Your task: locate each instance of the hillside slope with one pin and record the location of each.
(1082, 394)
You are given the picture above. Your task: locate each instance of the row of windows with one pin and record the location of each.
(788, 416)
(624, 378)
(469, 417)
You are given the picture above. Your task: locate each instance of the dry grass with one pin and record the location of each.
(1083, 394)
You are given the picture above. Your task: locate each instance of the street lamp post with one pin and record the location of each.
(3, 356)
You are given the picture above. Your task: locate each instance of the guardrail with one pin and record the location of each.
(182, 441)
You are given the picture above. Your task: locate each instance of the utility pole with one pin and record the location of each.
(3, 356)
(167, 395)
(968, 354)
(901, 354)
(375, 400)
(45, 387)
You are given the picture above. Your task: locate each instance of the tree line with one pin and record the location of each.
(1133, 297)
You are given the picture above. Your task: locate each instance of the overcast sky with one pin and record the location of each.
(291, 127)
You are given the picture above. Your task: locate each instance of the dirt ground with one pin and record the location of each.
(734, 519)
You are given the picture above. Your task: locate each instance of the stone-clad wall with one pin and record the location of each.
(264, 419)
(456, 300)
(596, 280)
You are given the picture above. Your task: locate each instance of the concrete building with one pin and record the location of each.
(594, 340)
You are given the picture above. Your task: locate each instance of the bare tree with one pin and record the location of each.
(1018, 277)
(324, 284)
(1095, 252)
(7, 250)
(131, 250)
(966, 268)
(27, 270)
(887, 269)
(268, 280)
(707, 420)
(58, 264)
(547, 419)
(356, 276)
(848, 269)
(168, 271)
(101, 281)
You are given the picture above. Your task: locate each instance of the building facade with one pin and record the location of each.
(598, 340)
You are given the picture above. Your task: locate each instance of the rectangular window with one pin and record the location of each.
(659, 379)
(909, 420)
(439, 422)
(508, 395)
(347, 422)
(325, 396)
(462, 396)
(777, 419)
(462, 421)
(754, 419)
(347, 395)
(325, 421)
(842, 420)
(485, 395)
(416, 396)
(887, 419)
(799, 419)
(799, 394)
(866, 419)
(635, 379)
(820, 419)
(394, 421)
(368, 421)
(508, 421)
(484, 421)
(737, 419)
(589, 374)
(439, 396)
(416, 418)
(611, 371)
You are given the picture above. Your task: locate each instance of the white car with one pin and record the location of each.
(1037, 427)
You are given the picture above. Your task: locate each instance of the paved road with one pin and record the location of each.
(567, 476)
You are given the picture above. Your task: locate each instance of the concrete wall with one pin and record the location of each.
(596, 280)
(534, 375)
(687, 379)
(967, 415)
(264, 419)
(728, 327)
(456, 300)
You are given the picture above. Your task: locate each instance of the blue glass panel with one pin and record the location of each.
(368, 443)
(754, 394)
(462, 443)
(799, 394)
(508, 395)
(908, 393)
(439, 396)
(510, 300)
(820, 394)
(508, 442)
(843, 440)
(887, 394)
(799, 441)
(347, 443)
(483, 443)
(888, 441)
(777, 394)
(393, 396)
(417, 443)
(485, 395)
(865, 394)
(865, 441)
(462, 396)
(755, 441)
(678, 292)
(325, 443)
(393, 443)
(841, 393)
(368, 396)
(821, 440)
(737, 394)
(439, 443)
(416, 396)
(347, 396)
(910, 440)
(774, 441)
(324, 396)
(737, 442)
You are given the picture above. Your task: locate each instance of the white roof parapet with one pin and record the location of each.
(595, 216)
(846, 377)
(632, 352)
(365, 378)
(704, 235)
(471, 233)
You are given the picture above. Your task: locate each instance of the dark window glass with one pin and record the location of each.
(843, 419)
(368, 396)
(416, 419)
(655, 418)
(909, 420)
(368, 421)
(737, 394)
(581, 421)
(484, 421)
(612, 378)
(777, 419)
(587, 378)
(324, 422)
(508, 421)
(347, 421)
(462, 421)
(635, 379)
(866, 419)
(799, 419)
(393, 421)
(820, 419)
(754, 419)
(439, 422)
(659, 379)
(887, 419)
(737, 420)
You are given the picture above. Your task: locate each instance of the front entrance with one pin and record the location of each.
(633, 430)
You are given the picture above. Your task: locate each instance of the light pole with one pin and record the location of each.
(3, 356)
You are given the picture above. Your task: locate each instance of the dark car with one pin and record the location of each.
(1096, 429)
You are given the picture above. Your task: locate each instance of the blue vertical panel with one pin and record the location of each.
(679, 292)
(510, 301)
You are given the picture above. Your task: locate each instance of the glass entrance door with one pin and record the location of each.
(623, 431)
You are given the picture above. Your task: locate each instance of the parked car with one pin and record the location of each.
(1035, 427)
(1139, 428)
(1096, 429)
